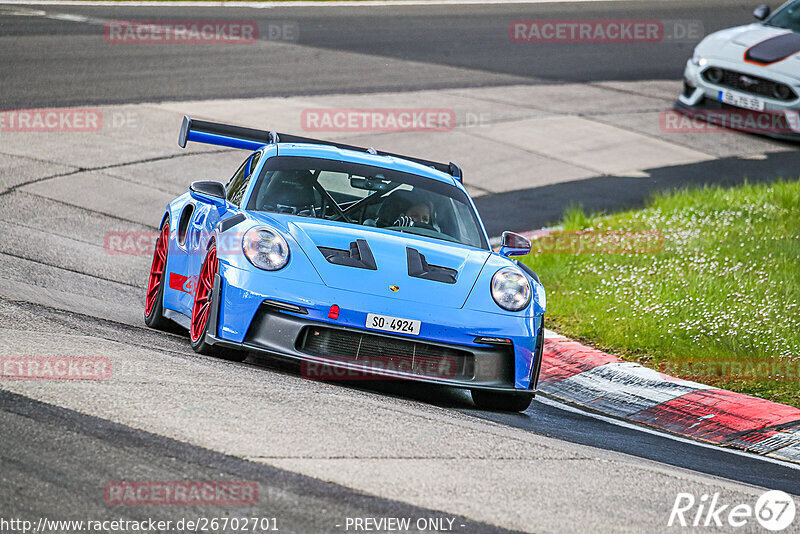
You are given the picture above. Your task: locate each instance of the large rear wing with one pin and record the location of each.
(215, 133)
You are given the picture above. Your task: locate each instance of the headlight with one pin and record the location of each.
(510, 289)
(698, 60)
(265, 248)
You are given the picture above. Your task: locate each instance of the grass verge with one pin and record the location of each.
(707, 286)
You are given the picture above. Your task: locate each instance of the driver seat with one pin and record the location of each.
(290, 192)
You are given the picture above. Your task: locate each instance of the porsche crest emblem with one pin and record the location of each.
(394, 289)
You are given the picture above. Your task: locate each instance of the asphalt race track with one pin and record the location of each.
(321, 452)
(342, 49)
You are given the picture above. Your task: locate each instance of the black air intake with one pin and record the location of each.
(419, 268)
(359, 255)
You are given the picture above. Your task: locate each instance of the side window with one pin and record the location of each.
(238, 183)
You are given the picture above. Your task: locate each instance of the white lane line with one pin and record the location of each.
(21, 12)
(292, 3)
(67, 17)
(549, 334)
(544, 399)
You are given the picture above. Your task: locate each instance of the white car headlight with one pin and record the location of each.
(510, 289)
(265, 248)
(699, 60)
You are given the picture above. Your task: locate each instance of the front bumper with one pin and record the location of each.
(444, 353)
(701, 98)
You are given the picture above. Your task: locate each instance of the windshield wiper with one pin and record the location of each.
(411, 230)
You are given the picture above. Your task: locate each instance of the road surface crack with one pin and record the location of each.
(103, 167)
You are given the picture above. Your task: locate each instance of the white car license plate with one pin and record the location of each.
(393, 324)
(741, 101)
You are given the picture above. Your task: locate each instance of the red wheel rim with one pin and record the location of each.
(157, 270)
(202, 295)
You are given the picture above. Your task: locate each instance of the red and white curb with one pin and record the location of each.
(583, 376)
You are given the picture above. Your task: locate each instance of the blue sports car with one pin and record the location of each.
(347, 259)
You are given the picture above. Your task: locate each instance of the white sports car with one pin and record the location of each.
(748, 77)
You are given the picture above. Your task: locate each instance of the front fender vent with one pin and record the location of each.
(359, 255)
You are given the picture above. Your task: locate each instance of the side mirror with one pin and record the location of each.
(762, 12)
(209, 192)
(514, 245)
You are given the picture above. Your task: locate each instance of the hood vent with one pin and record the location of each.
(419, 268)
(774, 50)
(359, 255)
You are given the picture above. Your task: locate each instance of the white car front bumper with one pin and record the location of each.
(782, 117)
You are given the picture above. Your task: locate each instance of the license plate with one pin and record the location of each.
(393, 324)
(741, 101)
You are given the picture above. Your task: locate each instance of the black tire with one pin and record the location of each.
(502, 402)
(200, 346)
(156, 318)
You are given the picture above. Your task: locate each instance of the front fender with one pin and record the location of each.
(480, 298)
(230, 252)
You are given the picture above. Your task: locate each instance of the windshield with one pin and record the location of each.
(788, 17)
(367, 196)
